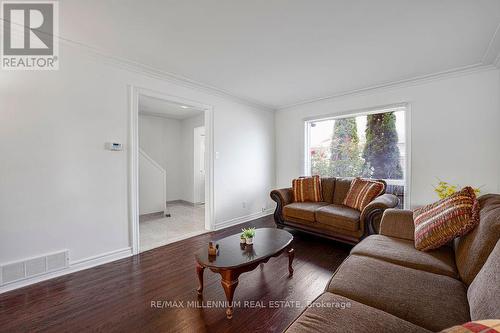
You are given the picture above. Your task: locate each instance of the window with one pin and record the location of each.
(370, 144)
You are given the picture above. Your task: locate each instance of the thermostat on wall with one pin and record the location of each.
(114, 146)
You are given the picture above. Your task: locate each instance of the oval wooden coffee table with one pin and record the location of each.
(234, 259)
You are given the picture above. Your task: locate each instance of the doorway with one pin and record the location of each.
(170, 188)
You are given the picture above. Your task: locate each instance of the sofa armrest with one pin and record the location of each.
(282, 197)
(374, 210)
(398, 223)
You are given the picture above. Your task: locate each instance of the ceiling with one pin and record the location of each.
(158, 107)
(282, 52)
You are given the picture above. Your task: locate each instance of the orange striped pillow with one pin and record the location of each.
(479, 326)
(362, 192)
(307, 189)
(438, 223)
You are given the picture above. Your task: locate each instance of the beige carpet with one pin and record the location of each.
(185, 221)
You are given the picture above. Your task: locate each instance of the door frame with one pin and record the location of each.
(195, 174)
(133, 158)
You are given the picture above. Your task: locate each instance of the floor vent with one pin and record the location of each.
(32, 267)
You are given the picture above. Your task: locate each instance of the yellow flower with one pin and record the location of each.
(444, 189)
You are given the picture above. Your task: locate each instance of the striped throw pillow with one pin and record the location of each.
(479, 326)
(438, 223)
(307, 189)
(362, 192)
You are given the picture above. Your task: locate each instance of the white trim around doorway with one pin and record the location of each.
(133, 158)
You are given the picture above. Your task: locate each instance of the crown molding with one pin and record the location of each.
(490, 61)
(140, 68)
(417, 80)
(155, 73)
(496, 63)
(493, 50)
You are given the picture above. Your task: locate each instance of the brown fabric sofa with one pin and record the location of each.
(330, 218)
(392, 287)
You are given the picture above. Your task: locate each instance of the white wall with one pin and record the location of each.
(59, 187)
(454, 126)
(161, 139)
(187, 155)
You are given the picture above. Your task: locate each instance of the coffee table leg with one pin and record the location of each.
(291, 255)
(229, 282)
(199, 272)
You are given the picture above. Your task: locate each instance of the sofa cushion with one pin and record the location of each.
(425, 299)
(307, 189)
(325, 229)
(339, 216)
(342, 186)
(334, 313)
(302, 210)
(328, 187)
(402, 252)
(473, 249)
(438, 223)
(362, 192)
(484, 291)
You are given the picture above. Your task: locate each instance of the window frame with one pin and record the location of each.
(405, 107)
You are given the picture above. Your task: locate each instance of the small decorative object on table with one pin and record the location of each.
(248, 233)
(213, 249)
(243, 240)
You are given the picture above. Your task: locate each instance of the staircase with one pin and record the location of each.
(152, 185)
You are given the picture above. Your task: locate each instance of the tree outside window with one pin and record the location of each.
(370, 146)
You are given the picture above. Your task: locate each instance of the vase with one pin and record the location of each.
(249, 241)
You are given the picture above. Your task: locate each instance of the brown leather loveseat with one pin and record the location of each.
(331, 218)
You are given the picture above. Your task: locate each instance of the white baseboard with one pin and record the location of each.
(243, 219)
(74, 266)
(107, 257)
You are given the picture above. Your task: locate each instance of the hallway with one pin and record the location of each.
(185, 221)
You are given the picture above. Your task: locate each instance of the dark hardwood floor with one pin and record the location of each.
(116, 297)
